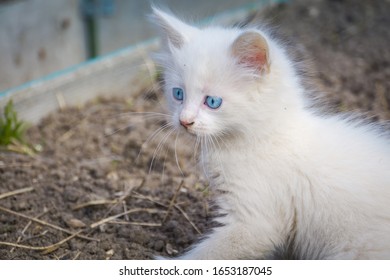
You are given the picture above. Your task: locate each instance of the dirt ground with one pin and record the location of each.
(101, 175)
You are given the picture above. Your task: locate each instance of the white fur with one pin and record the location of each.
(283, 174)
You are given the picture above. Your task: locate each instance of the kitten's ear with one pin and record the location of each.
(177, 32)
(251, 50)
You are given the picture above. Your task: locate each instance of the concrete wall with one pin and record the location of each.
(38, 37)
(129, 24)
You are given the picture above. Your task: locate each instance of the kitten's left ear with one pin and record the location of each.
(251, 50)
(177, 32)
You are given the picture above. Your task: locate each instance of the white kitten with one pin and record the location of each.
(290, 183)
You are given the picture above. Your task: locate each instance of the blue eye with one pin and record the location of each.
(178, 94)
(213, 102)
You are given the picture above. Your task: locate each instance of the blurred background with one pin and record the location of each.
(39, 37)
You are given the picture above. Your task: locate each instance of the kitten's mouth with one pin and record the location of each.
(191, 131)
(188, 127)
(195, 131)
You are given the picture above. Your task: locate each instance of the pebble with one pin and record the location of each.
(22, 205)
(75, 223)
(71, 194)
(124, 232)
(159, 245)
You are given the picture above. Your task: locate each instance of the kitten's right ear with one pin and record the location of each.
(177, 32)
(251, 50)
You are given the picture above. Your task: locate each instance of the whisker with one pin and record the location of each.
(177, 160)
(196, 147)
(203, 156)
(152, 136)
(220, 137)
(144, 115)
(126, 114)
(163, 171)
(159, 146)
(208, 145)
(117, 130)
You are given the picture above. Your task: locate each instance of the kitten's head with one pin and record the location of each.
(215, 78)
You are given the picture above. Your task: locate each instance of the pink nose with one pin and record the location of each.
(186, 124)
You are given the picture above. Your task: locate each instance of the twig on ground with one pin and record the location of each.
(45, 249)
(47, 224)
(128, 193)
(172, 202)
(77, 255)
(103, 221)
(16, 165)
(68, 134)
(124, 210)
(136, 223)
(187, 218)
(15, 192)
(43, 233)
(61, 257)
(94, 203)
(140, 196)
(27, 226)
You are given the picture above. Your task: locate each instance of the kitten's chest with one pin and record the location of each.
(241, 168)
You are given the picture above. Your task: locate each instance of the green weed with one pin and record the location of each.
(12, 131)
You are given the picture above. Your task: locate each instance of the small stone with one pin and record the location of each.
(75, 223)
(159, 245)
(169, 249)
(314, 12)
(109, 253)
(124, 232)
(171, 225)
(113, 176)
(23, 205)
(75, 244)
(71, 194)
(138, 236)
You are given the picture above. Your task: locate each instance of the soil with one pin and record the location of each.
(100, 174)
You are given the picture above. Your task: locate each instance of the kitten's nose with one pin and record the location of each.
(186, 124)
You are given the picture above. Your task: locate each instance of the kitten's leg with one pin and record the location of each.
(230, 242)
